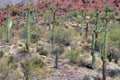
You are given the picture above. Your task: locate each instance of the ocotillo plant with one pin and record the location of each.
(9, 24)
(28, 30)
(93, 50)
(82, 22)
(105, 46)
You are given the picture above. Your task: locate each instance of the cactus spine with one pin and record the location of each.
(105, 46)
(82, 22)
(28, 30)
(9, 24)
(93, 50)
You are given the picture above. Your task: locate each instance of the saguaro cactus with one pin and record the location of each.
(82, 22)
(57, 57)
(53, 30)
(105, 46)
(9, 24)
(93, 50)
(28, 30)
(96, 23)
(86, 34)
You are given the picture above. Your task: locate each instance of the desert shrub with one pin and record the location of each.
(113, 73)
(86, 77)
(35, 37)
(33, 67)
(114, 39)
(72, 14)
(62, 35)
(114, 54)
(16, 74)
(6, 66)
(15, 10)
(43, 52)
(47, 16)
(55, 50)
(73, 55)
(1, 54)
(3, 32)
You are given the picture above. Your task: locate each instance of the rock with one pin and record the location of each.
(85, 60)
(98, 63)
(39, 48)
(109, 78)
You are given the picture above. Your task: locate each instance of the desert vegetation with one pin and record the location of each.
(60, 40)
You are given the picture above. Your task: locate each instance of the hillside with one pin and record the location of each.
(60, 40)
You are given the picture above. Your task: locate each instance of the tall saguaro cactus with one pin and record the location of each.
(96, 23)
(53, 30)
(9, 24)
(82, 22)
(93, 50)
(86, 34)
(105, 46)
(28, 30)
